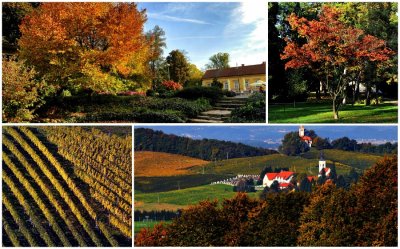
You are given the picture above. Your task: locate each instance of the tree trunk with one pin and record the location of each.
(318, 93)
(368, 96)
(335, 107)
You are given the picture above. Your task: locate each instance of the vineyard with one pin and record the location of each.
(66, 186)
(149, 163)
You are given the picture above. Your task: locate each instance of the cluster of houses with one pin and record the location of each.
(235, 180)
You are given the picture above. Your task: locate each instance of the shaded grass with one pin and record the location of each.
(322, 113)
(168, 183)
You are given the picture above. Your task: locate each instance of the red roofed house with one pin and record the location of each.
(237, 79)
(283, 178)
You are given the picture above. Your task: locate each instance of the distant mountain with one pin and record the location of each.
(206, 149)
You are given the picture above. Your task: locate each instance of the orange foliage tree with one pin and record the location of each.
(333, 50)
(91, 45)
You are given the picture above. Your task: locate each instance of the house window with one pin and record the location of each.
(226, 85)
(246, 84)
(236, 83)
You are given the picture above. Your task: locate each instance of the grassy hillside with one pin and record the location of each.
(357, 160)
(185, 197)
(168, 183)
(148, 163)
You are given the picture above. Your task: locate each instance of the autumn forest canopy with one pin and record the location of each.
(344, 52)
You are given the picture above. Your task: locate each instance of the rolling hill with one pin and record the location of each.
(66, 186)
(356, 160)
(148, 163)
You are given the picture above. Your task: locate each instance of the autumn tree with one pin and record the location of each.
(218, 61)
(178, 66)
(333, 50)
(22, 94)
(277, 221)
(195, 76)
(98, 46)
(13, 13)
(377, 205)
(156, 37)
(327, 220)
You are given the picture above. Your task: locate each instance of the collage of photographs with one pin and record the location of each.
(245, 123)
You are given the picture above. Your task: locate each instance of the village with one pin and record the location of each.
(281, 179)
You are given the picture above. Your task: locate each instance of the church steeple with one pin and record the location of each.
(301, 131)
(322, 162)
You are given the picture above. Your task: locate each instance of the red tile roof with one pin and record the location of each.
(271, 176)
(236, 71)
(283, 174)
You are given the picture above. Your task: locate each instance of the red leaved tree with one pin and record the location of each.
(333, 50)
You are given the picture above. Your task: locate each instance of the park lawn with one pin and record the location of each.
(322, 113)
(189, 196)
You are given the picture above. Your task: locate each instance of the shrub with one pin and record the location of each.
(197, 92)
(252, 112)
(22, 94)
(142, 115)
(171, 85)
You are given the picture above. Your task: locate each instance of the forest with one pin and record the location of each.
(332, 62)
(66, 186)
(206, 149)
(329, 216)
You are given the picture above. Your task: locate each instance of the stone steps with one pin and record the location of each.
(209, 121)
(221, 111)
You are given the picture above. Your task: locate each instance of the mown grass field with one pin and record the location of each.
(149, 163)
(188, 196)
(147, 224)
(322, 113)
(354, 159)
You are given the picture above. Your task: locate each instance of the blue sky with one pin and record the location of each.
(271, 136)
(206, 28)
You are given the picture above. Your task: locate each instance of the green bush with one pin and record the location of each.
(189, 108)
(252, 112)
(197, 92)
(142, 115)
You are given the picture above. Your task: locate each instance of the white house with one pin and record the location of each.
(283, 178)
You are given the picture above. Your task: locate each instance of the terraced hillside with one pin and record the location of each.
(66, 186)
(149, 163)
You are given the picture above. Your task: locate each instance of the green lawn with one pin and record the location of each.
(322, 113)
(189, 196)
(138, 225)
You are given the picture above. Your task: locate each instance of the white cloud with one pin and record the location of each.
(191, 136)
(249, 23)
(375, 141)
(272, 141)
(164, 17)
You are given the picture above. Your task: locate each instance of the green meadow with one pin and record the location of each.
(322, 113)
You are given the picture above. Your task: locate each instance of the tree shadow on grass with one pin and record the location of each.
(322, 113)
